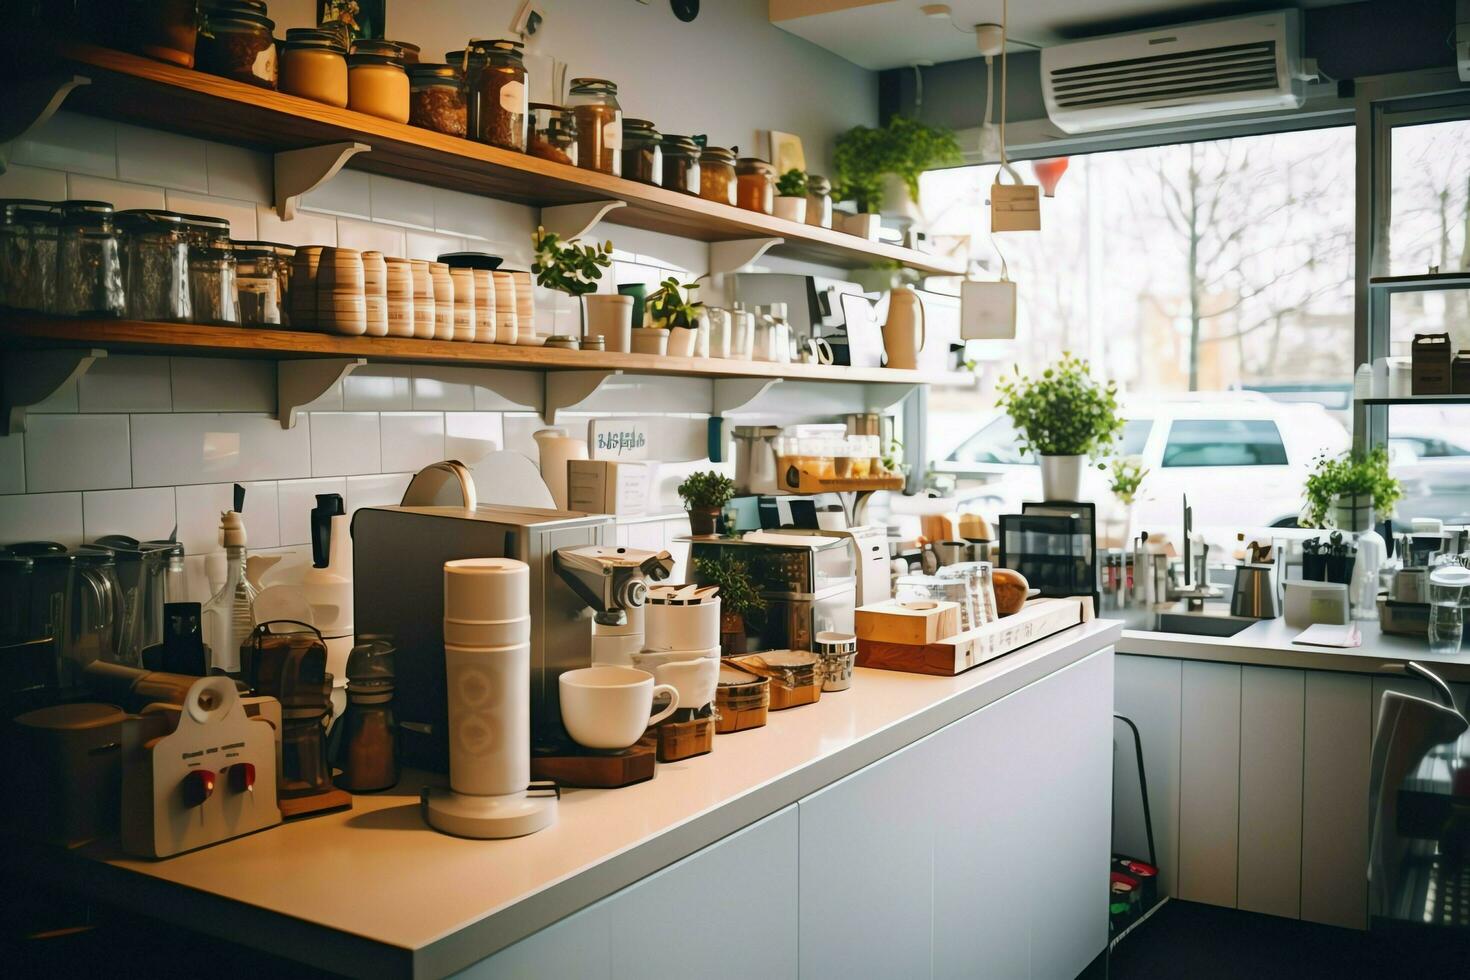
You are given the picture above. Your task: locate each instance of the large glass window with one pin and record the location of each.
(1224, 442)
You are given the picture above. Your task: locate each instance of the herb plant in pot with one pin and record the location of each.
(740, 599)
(1063, 416)
(671, 310)
(576, 270)
(1350, 492)
(791, 196)
(878, 165)
(705, 494)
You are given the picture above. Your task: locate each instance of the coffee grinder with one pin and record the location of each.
(614, 583)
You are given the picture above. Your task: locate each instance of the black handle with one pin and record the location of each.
(328, 506)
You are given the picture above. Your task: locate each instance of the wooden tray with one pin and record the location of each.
(575, 766)
(1038, 619)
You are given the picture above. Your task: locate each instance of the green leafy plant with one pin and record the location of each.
(892, 458)
(567, 266)
(706, 490)
(1353, 474)
(674, 305)
(1127, 476)
(1064, 412)
(792, 183)
(738, 592)
(904, 147)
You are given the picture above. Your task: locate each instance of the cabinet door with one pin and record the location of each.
(1209, 782)
(576, 948)
(1147, 690)
(1335, 764)
(1271, 738)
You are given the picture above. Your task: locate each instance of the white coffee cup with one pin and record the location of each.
(608, 707)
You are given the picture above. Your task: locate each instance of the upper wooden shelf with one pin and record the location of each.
(151, 93)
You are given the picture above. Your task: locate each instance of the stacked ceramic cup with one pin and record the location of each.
(681, 644)
(304, 267)
(341, 304)
(375, 293)
(465, 327)
(423, 300)
(443, 301)
(527, 334)
(400, 297)
(506, 326)
(484, 306)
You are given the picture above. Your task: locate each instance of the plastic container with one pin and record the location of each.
(681, 164)
(314, 66)
(594, 101)
(377, 83)
(436, 99)
(717, 175)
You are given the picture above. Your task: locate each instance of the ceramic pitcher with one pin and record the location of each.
(903, 334)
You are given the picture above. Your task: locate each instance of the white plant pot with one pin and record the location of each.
(791, 208)
(899, 204)
(611, 318)
(1061, 477)
(1352, 514)
(862, 225)
(650, 340)
(682, 341)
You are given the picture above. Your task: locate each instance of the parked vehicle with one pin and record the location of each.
(1434, 467)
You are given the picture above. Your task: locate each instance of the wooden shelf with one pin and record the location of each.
(1422, 282)
(1417, 400)
(151, 93)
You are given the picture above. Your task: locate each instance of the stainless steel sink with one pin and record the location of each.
(1199, 624)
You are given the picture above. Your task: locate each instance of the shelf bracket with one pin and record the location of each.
(299, 171)
(734, 394)
(299, 383)
(566, 390)
(568, 221)
(29, 377)
(737, 255)
(29, 103)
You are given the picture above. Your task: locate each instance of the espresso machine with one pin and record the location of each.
(613, 582)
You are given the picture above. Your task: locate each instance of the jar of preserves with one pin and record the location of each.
(436, 99)
(166, 30)
(88, 261)
(643, 157)
(755, 185)
(257, 283)
(818, 201)
(411, 53)
(156, 257)
(717, 175)
(235, 41)
(594, 101)
(377, 83)
(212, 270)
(681, 164)
(29, 234)
(314, 66)
(553, 133)
(496, 77)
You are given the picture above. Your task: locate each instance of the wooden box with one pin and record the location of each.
(1430, 358)
(946, 657)
(913, 623)
(1460, 373)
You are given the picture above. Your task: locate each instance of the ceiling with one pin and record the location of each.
(879, 34)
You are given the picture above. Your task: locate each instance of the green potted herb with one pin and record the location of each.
(673, 313)
(873, 164)
(1127, 474)
(740, 599)
(791, 196)
(1349, 492)
(705, 494)
(576, 270)
(1063, 416)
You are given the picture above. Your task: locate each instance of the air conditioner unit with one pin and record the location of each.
(1191, 71)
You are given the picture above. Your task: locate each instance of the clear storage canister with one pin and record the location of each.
(818, 201)
(314, 65)
(29, 233)
(755, 185)
(717, 175)
(553, 133)
(681, 164)
(212, 269)
(257, 282)
(377, 82)
(594, 101)
(285, 260)
(156, 264)
(235, 41)
(496, 80)
(436, 99)
(643, 157)
(89, 261)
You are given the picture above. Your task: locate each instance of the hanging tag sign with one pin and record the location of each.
(1014, 207)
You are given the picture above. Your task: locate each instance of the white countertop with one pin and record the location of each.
(373, 892)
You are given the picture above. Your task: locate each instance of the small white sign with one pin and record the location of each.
(619, 439)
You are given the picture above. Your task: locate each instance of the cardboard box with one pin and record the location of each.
(596, 486)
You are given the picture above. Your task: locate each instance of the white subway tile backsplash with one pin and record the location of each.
(378, 388)
(411, 440)
(348, 193)
(304, 229)
(170, 450)
(367, 236)
(77, 452)
(655, 249)
(378, 490)
(240, 214)
(485, 220)
(239, 173)
(41, 517)
(119, 194)
(508, 391)
(402, 203)
(198, 508)
(63, 399)
(33, 182)
(439, 388)
(427, 245)
(147, 515)
(125, 384)
(153, 156)
(344, 443)
(72, 142)
(469, 436)
(328, 401)
(13, 463)
(519, 432)
(297, 498)
(222, 384)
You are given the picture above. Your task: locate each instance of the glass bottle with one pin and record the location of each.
(594, 101)
(258, 283)
(212, 270)
(229, 615)
(367, 752)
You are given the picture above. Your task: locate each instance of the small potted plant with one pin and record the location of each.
(576, 270)
(740, 599)
(791, 196)
(705, 494)
(869, 161)
(1349, 492)
(672, 311)
(1126, 475)
(1063, 416)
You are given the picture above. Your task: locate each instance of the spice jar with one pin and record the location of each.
(235, 42)
(594, 101)
(257, 283)
(166, 30)
(88, 261)
(156, 257)
(314, 66)
(30, 231)
(423, 300)
(818, 201)
(755, 185)
(211, 270)
(377, 83)
(553, 133)
(436, 99)
(496, 77)
(643, 158)
(717, 175)
(681, 164)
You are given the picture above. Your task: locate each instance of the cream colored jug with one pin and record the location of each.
(903, 334)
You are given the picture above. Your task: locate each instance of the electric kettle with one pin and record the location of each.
(904, 333)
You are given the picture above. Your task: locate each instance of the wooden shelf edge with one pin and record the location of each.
(138, 336)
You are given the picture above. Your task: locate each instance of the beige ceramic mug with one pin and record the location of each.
(607, 707)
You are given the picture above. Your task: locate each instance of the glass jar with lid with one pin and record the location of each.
(166, 30)
(436, 99)
(89, 263)
(212, 269)
(314, 65)
(818, 201)
(681, 164)
(156, 264)
(594, 101)
(235, 41)
(755, 185)
(717, 175)
(258, 283)
(285, 261)
(377, 82)
(29, 234)
(496, 80)
(553, 133)
(643, 158)
(411, 53)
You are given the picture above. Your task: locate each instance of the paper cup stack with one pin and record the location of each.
(506, 327)
(400, 297)
(341, 304)
(526, 332)
(423, 300)
(375, 293)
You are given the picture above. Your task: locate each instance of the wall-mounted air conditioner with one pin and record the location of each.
(1211, 68)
